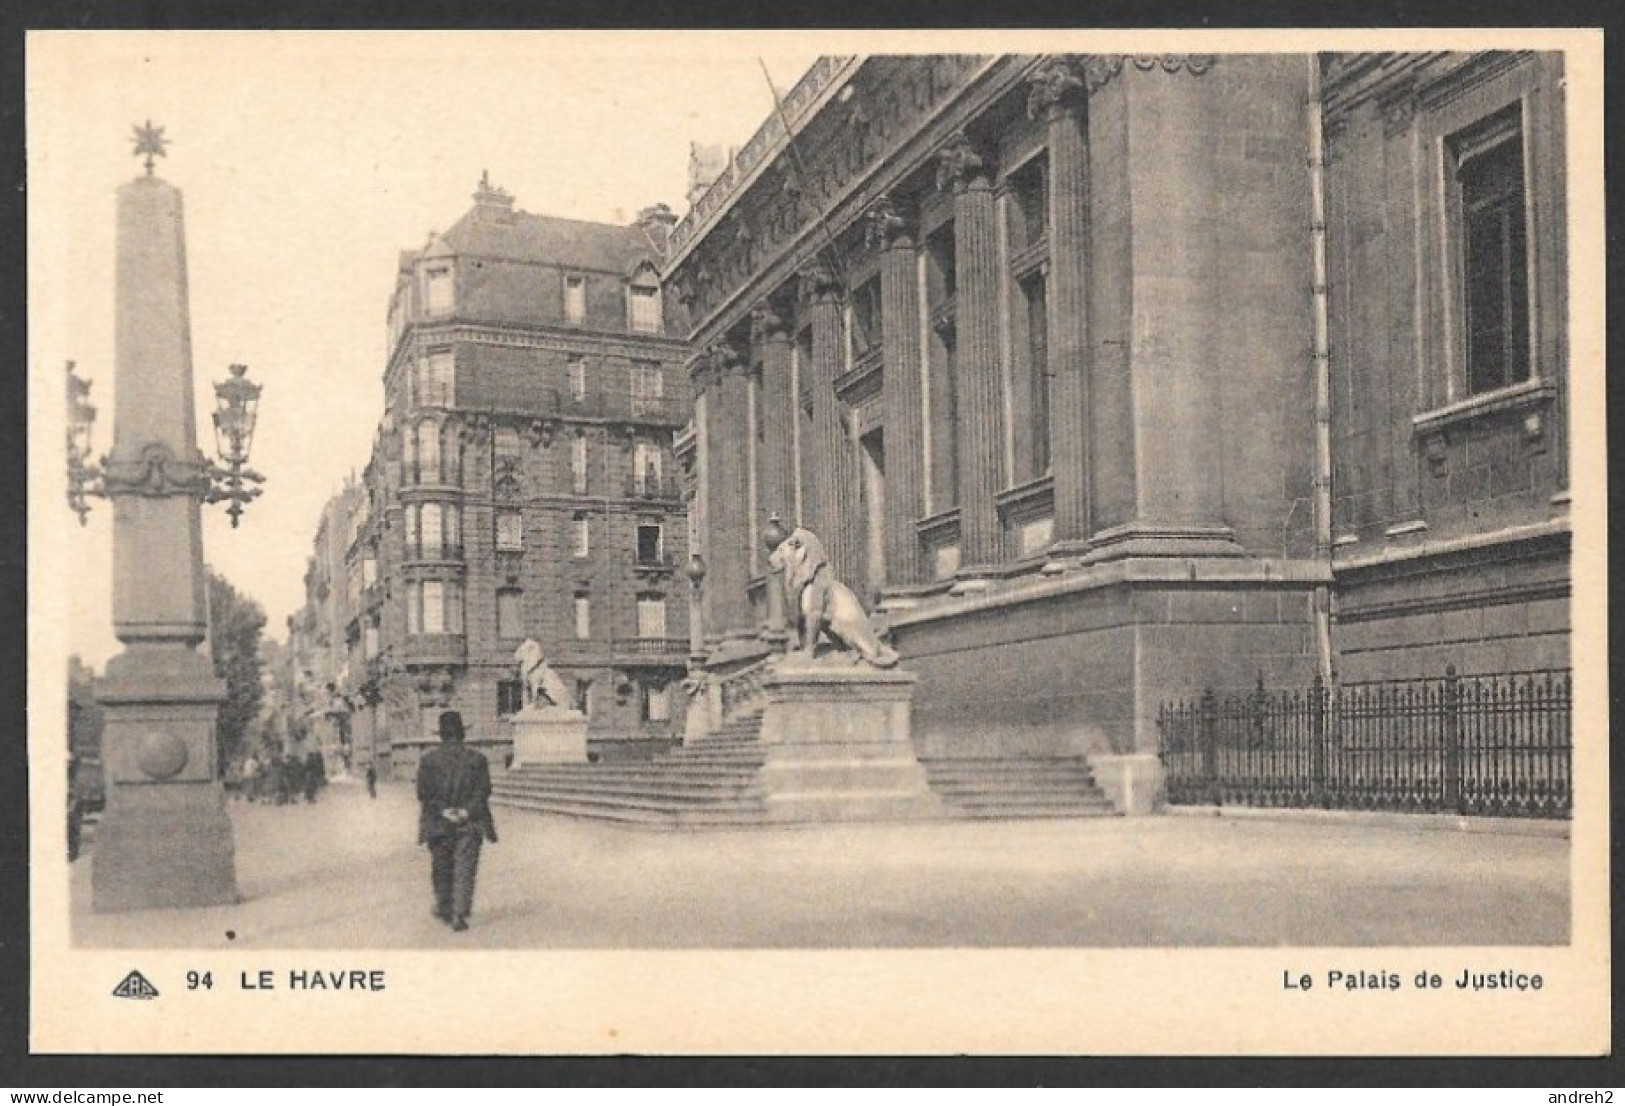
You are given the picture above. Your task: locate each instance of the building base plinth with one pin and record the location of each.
(835, 738)
(549, 735)
(1135, 783)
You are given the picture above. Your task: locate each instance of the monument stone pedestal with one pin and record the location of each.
(549, 735)
(165, 839)
(836, 746)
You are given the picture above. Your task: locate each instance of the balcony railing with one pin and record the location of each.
(651, 486)
(435, 649)
(654, 646)
(418, 551)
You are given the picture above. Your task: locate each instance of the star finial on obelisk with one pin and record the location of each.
(150, 143)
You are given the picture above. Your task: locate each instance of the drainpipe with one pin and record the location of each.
(1322, 357)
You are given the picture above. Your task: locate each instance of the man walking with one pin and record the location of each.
(454, 786)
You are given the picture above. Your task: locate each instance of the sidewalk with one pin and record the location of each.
(345, 873)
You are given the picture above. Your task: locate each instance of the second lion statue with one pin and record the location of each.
(821, 604)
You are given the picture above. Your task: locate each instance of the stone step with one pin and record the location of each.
(719, 818)
(697, 780)
(703, 789)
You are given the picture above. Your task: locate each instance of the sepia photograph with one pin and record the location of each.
(739, 543)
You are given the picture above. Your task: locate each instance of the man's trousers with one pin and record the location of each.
(454, 862)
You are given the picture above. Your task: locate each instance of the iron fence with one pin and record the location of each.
(1493, 744)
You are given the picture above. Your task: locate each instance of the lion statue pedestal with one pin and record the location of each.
(836, 747)
(549, 735)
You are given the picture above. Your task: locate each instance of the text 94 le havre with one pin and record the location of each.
(1466, 979)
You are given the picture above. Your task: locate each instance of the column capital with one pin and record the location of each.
(885, 227)
(726, 360)
(819, 282)
(1056, 87)
(960, 165)
(767, 325)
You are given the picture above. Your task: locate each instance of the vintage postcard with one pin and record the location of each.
(701, 543)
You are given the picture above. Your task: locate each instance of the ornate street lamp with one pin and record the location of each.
(84, 478)
(236, 411)
(237, 401)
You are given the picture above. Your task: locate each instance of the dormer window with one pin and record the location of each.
(439, 292)
(643, 304)
(575, 299)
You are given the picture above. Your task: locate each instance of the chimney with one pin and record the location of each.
(656, 223)
(491, 203)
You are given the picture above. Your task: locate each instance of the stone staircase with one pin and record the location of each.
(707, 783)
(711, 783)
(1017, 787)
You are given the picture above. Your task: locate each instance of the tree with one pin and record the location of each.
(235, 623)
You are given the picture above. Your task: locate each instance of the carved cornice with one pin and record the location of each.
(155, 472)
(885, 227)
(1055, 88)
(960, 164)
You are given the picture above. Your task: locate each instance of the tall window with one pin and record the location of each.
(436, 374)
(510, 532)
(371, 639)
(578, 378)
(648, 386)
(510, 697)
(643, 308)
(434, 607)
(867, 332)
(427, 466)
(578, 464)
(434, 531)
(650, 546)
(1493, 250)
(1035, 295)
(575, 299)
(583, 616)
(439, 291)
(656, 702)
(510, 614)
(646, 467)
(651, 616)
(580, 535)
(1029, 207)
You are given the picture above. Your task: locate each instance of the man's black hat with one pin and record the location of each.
(451, 726)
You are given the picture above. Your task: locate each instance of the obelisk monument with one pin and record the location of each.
(165, 839)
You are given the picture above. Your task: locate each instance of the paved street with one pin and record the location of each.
(346, 874)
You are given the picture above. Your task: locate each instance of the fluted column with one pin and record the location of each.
(777, 410)
(1056, 96)
(727, 551)
(831, 502)
(977, 369)
(903, 403)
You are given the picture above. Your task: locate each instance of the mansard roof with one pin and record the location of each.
(544, 239)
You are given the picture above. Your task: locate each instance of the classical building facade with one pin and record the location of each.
(1113, 378)
(522, 485)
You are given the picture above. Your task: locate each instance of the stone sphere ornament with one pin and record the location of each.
(161, 755)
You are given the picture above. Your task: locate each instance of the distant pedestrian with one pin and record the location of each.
(314, 775)
(372, 782)
(454, 789)
(76, 810)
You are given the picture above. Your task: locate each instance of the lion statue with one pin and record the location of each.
(542, 686)
(820, 604)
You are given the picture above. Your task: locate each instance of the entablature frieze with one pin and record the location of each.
(1400, 83)
(908, 121)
